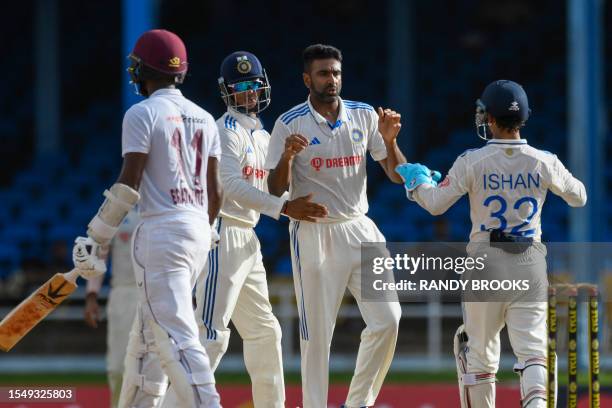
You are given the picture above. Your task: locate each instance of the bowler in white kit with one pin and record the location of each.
(170, 167)
(319, 147)
(507, 181)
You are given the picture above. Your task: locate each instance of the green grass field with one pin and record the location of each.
(291, 378)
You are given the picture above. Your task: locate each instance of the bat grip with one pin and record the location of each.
(72, 275)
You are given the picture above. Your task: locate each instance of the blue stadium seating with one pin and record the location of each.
(53, 197)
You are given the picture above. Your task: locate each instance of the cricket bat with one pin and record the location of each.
(36, 307)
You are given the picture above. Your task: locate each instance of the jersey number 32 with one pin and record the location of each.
(503, 206)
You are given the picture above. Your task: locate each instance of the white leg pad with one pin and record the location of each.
(533, 382)
(476, 390)
(193, 389)
(169, 358)
(144, 382)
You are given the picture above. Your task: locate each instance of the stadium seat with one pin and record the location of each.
(63, 232)
(284, 266)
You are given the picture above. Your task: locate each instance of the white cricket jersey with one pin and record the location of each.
(507, 182)
(121, 252)
(244, 145)
(178, 137)
(333, 166)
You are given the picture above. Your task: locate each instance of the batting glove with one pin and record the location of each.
(85, 258)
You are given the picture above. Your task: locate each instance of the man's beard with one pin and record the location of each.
(323, 96)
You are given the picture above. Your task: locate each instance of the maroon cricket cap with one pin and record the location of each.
(162, 51)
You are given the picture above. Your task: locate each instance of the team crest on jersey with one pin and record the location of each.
(174, 62)
(357, 136)
(244, 65)
(316, 162)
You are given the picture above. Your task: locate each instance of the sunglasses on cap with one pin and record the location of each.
(246, 85)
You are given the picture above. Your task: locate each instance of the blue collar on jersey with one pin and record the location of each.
(246, 121)
(507, 142)
(342, 115)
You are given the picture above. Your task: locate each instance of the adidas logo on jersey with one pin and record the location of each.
(249, 149)
(314, 141)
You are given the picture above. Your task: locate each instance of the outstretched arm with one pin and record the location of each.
(249, 196)
(422, 186)
(436, 200)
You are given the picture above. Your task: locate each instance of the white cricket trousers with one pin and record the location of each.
(525, 321)
(233, 286)
(327, 261)
(169, 253)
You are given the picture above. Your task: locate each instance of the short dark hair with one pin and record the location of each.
(509, 122)
(319, 51)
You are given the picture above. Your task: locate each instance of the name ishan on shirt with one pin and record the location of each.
(495, 181)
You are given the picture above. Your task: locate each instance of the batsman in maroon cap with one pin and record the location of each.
(170, 150)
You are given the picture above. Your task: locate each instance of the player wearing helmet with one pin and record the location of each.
(170, 150)
(507, 181)
(233, 285)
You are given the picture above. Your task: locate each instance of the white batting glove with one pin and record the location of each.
(214, 238)
(85, 258)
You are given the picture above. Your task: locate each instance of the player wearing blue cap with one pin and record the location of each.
(506, 181)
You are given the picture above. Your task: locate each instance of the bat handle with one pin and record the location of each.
(72, 275)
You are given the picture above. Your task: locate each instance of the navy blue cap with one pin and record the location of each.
(241, 66)
(505, 98)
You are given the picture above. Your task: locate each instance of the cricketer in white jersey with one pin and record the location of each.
(120, 305)
(506, 181)
(171, 244)
(320, 147)
(170, 149)
(233, 285)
